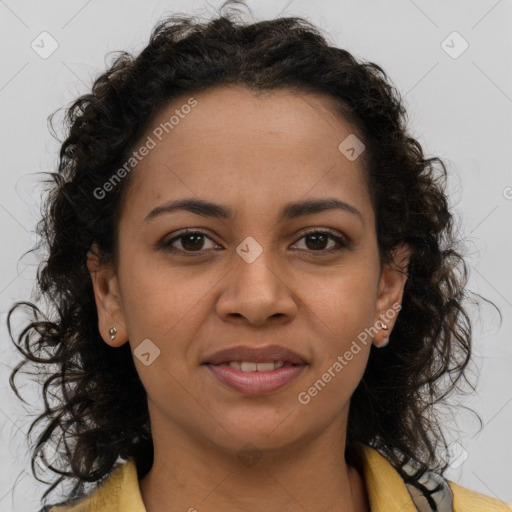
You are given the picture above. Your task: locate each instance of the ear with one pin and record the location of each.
(107, 297)
(391, 290)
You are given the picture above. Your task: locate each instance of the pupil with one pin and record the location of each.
(188, 238)
(317, 237)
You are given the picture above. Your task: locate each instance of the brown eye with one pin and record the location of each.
(317, 241)
(192, 243)
(187, 242)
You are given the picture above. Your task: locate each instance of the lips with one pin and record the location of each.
(255, 371)
(255, 383)
(242, 353)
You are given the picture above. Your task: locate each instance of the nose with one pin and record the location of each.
(257, 293)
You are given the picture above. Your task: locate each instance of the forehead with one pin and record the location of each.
(251, 148)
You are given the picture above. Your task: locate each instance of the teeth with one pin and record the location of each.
(262, 367)
(247, 366)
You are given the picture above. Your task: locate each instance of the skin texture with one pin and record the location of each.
(253, 153)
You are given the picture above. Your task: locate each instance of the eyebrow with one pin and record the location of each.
(289, 210)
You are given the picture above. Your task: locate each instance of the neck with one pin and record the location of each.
(189, 475)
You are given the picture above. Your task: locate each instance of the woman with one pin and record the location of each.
(256, 288)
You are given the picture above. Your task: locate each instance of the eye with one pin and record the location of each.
(192, 242)
(318, 238)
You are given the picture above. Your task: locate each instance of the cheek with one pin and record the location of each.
(158, 299)
(341, 312)
(345, 301)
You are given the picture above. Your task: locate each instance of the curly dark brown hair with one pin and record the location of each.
(98, 409)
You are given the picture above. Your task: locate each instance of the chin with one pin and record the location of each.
(262, 433)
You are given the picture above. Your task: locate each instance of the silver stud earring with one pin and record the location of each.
(112, 332)
(385, 341)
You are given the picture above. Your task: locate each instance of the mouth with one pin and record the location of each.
(245, 358)
(253, 371)
(255, 382)
(253, 366)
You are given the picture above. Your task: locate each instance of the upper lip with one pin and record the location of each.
(270, 353)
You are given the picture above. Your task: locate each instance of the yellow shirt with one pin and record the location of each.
(386, 490)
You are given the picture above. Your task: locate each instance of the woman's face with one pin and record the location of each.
(253, 278)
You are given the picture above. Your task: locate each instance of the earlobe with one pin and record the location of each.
(111, 323)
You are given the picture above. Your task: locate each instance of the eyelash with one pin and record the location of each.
(167, 246)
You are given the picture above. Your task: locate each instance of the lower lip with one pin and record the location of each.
(256, 383)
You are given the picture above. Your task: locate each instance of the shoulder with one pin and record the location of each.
(388, 491)
(80, 503)
(116, 492)
(466, 499)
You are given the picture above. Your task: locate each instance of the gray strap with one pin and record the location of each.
(425, 496)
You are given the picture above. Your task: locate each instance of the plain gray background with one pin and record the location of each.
(459, 104)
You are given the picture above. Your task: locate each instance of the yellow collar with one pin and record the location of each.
(387, 492)
(385, 487)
